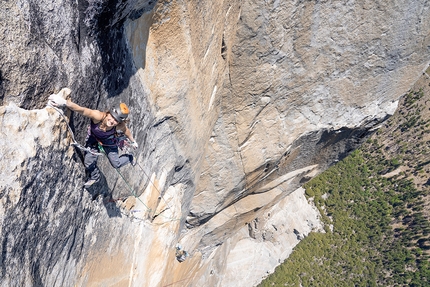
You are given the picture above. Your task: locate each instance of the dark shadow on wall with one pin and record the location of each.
(141, 23)
(101, 26)
(45, 225)
(100, 189)
(117, 58)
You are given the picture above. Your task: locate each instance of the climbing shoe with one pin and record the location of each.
(132, 160)
(89, 183)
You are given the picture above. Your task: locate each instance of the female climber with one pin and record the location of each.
(102, 130)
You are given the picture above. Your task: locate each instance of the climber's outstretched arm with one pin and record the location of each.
(95, 115)
(58, 100)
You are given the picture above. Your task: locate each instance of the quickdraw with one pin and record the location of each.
(123, 143)
(85, 149)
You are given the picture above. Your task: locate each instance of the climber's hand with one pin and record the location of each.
(134, 144)
(57, 100)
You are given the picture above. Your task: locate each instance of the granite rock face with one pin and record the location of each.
(235, 104)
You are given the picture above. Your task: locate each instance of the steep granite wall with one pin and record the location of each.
(235, 105)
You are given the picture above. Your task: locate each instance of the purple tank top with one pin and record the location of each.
(105, 137)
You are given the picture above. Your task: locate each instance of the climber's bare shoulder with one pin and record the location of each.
(95, 115)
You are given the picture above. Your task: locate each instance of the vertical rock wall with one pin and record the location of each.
(234, 103)
(54, 233)
(307, 81)
(300, 67)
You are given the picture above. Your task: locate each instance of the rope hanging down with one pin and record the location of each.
(78, 145)
(128, 185)
(160, 196)
(74, 143)
(136, 196)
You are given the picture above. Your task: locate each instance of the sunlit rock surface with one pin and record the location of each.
(235, 104)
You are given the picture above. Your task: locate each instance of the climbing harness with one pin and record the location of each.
(86, 149)
(121, 143)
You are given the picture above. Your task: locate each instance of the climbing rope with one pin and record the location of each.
(153, 184)
(74, 143)
(148, 209)
(103, 152)
(160, 195)
(136, 196)
(123, 178)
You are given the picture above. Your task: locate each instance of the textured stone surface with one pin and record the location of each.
(42, 227)
(234, 103)
(268, 240)
(303, 66)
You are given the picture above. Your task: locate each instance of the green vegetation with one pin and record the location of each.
(377, 233)
(365, 248)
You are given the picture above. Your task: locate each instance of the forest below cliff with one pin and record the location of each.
(234, 105)
(375, 207)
